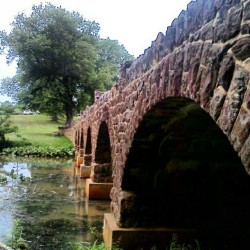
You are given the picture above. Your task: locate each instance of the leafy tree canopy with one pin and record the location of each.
(60, 60)
(110, 56)
(7, 108)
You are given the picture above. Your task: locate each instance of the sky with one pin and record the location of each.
(134, 23)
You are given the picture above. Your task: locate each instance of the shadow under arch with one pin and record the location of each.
(88, 148)
(103, 149)
(103, 167)
(81, 141)
(182, 171)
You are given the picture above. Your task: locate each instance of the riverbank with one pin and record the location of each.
(37, 136)
(37, 130)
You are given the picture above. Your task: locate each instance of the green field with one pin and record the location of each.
(38, 130)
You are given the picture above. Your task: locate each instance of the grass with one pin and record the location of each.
(38, 130)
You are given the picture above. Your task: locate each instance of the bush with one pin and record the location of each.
(5, 128)
(39, 151)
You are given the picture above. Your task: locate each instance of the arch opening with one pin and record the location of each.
(81, 139)
(182, 171)
(102, 170)
(88, 149)
(103, 149)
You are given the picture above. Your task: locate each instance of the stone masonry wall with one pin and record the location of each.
(203, 56)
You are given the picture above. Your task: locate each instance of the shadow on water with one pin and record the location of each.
(48, 200)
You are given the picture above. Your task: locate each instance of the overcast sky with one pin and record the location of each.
(134, 23)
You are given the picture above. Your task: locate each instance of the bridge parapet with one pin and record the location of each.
(217, 21)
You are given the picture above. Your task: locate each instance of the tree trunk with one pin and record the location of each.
(68, 105)
(54, 118)
(69, 115)
(2, 141)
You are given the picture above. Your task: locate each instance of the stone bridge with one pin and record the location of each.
(172, 135)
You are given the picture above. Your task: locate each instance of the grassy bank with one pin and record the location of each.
(38, 130)
(37, 136)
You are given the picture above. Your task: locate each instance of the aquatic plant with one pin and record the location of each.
(176, 245)
(15, 241)
(95, 246)
(39, 151)
(3, 178)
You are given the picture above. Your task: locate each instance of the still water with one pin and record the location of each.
(47, 200)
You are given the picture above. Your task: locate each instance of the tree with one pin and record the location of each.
(55, 52)
(111, 55)
(5, 128)
(60, 60)
(7, 108)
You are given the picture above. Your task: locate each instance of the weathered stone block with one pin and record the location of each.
(217, 101)
(127, 206)
(180, 32)
(245, 28)
(226, 72)
(142, 238)
(206, 32)
(241, 49)
(98, 191)
(85, 171)
(79, 161)
(233, 22)
(233, 100)
(240, 130)
(246, 11)
(244, 155)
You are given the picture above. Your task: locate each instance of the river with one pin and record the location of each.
(44, 201)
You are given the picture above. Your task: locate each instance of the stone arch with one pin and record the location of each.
(182, 171)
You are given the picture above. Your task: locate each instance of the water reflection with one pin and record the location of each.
(49, 199)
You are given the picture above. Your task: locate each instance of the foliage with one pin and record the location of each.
(3, 178)
(37, 130)
(110, 56)
(5, 128)
(38, 151)
(95, 246)
(175, 244)
(61, 60)
(7, 108)
(16, 241)
(55, 53)
(35, 138)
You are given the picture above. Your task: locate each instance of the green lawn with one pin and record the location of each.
(38, 130)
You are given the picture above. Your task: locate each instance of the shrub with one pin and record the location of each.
(39, 151)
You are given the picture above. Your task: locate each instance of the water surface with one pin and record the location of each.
(47, 199)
